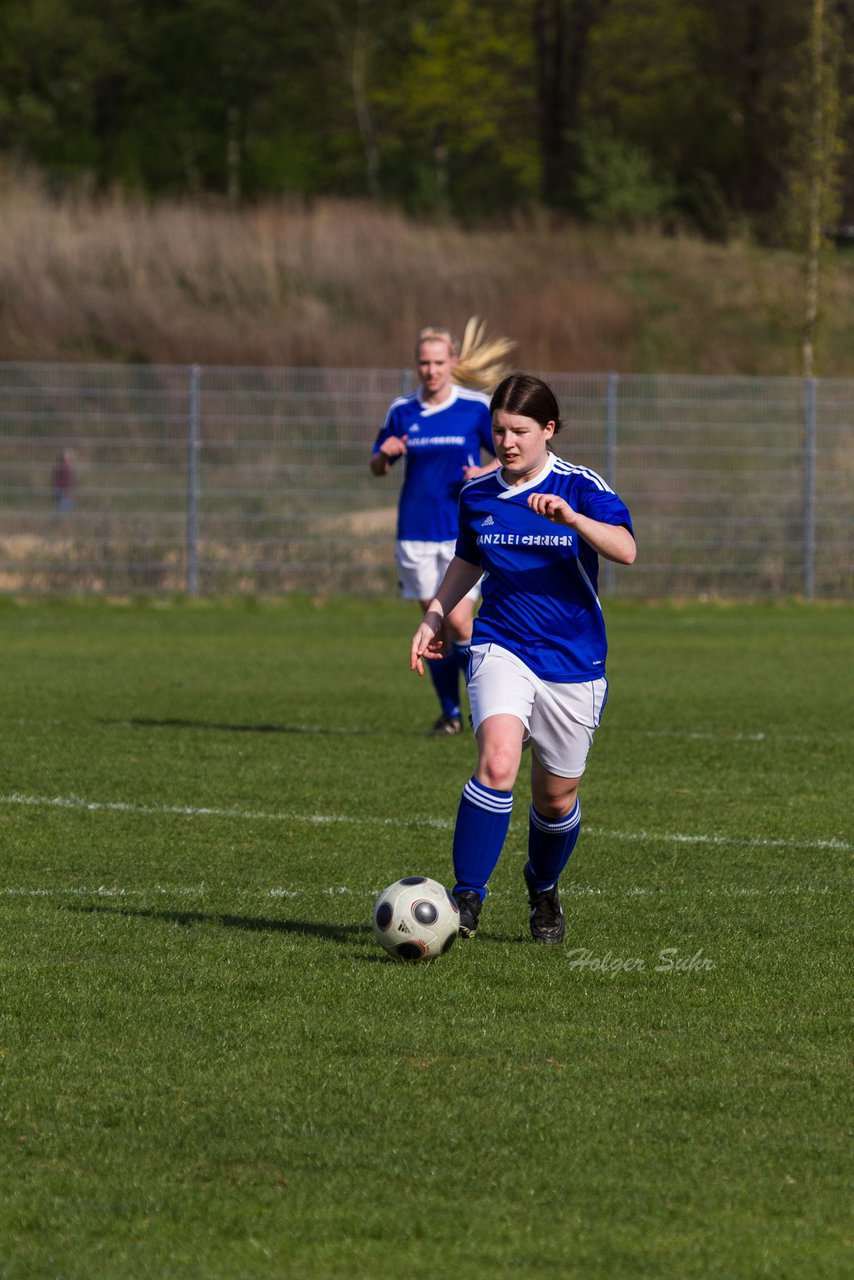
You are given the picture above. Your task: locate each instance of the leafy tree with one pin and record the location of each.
(463, 107)
(616, 182)
(811, 205)
(64, 78)
(607, 108)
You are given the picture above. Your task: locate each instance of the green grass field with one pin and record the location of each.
(210, 1070)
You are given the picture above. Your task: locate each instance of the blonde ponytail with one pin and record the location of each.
(480, 360)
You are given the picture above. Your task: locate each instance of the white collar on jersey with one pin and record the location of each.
(511, 489)
(427, 409)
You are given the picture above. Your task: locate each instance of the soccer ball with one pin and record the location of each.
(416, 919)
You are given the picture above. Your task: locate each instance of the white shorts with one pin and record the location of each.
(559, 719)
(421, 567)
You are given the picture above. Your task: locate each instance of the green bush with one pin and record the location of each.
(616, 182)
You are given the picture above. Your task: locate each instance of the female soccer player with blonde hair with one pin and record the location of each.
(441, 430)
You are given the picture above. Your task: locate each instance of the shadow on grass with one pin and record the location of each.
(346, 933)
(142, 722)
(342, 934)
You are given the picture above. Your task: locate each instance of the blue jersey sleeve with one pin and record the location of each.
(594, 499)
(466, 547)
(391, 427)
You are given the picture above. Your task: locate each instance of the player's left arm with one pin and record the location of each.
(613, 541)
(460, 577)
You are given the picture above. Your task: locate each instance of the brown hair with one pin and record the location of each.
(528, 396)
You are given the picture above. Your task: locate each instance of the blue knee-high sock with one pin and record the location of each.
(549, 846)
(444, 673)
(483, 818)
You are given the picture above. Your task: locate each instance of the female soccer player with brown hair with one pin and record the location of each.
(536, 527)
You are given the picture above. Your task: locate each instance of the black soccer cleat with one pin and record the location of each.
(445, 727)
(470, 905)
(547, 918)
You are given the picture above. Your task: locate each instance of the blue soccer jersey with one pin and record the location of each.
(540, 598)
(441, 440)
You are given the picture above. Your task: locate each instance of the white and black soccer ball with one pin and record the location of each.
(416, 919)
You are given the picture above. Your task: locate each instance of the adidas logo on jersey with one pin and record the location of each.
(488, 521)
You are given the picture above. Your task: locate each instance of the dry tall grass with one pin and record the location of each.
(344, 283)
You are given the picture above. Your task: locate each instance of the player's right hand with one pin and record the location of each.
(428, 642)
(394, 447)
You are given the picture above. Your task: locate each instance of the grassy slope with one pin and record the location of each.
(346, 284)
(209, 1069)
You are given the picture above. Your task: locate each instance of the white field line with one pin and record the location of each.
(324, 819)
(192, 811)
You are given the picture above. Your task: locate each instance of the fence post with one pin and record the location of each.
(809, 486)
(193, 482)
(611, 386)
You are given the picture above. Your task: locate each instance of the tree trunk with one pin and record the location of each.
(562, 30)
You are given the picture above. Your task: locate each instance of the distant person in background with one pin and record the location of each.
(441, 430)
(536, 527)
(62, 482)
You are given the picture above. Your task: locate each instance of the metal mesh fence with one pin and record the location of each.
(125, 479)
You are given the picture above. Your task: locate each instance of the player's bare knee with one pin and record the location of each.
(554, 812)
(498, 768)
(554, 805)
